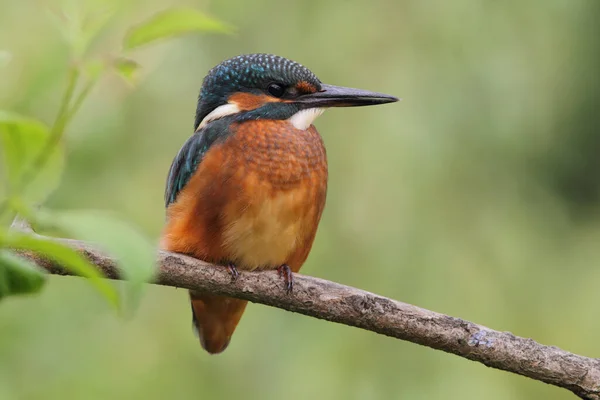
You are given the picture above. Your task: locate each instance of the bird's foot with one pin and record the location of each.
(233, 271)
(285, 272)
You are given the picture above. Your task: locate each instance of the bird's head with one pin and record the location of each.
(265, 86)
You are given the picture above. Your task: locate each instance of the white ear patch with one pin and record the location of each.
(219, 112)
(301, 120)
(304, 118)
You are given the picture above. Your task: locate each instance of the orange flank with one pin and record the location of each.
(255, 201)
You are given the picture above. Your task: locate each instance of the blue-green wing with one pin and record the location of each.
(188, 158)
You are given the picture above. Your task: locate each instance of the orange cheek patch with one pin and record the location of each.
(305, 87)
(247, 101)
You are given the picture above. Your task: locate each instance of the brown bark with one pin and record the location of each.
(354, 307)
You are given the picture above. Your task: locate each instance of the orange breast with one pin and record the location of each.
(255, 200)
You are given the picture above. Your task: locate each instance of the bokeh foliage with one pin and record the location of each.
(476, 196)
(34, 159)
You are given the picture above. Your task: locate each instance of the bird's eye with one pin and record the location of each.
(276, 90)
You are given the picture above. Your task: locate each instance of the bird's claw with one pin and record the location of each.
(233, 271)
(285, 272)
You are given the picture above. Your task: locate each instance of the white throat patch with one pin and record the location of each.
(301, 120)
(304, 118)
(219, 112)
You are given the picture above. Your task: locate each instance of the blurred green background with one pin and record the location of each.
(476, 196)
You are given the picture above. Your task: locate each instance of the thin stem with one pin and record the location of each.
(64, 116)
(83, 94)
(58, 129)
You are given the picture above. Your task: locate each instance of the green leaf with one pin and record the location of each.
(19, 275)
(127, 69)
(65, 256)
(22, 141)
(135, 254)
(171, 23)
(5, 58)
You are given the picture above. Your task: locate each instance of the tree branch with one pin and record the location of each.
(354, 307)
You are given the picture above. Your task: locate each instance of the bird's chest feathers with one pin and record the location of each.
(277, 152)
(283, 173)
(269, 229)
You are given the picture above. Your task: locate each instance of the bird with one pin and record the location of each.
(246, 191)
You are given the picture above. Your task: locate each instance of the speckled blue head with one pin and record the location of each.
(265, 86)
(251, 73)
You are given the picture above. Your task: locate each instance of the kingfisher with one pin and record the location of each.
(246, 191)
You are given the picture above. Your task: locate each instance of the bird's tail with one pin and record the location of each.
(215, 318)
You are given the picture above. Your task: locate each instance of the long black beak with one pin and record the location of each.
(339, 96)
